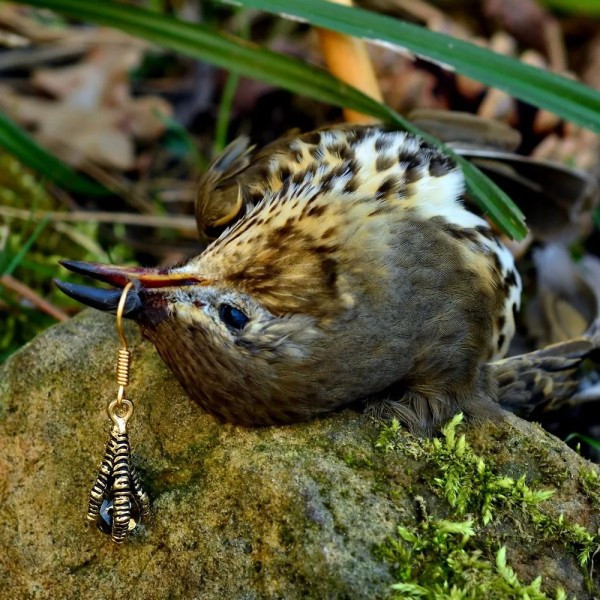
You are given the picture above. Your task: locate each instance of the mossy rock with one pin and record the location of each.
(342, 507)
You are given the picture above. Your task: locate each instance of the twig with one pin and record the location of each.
(26, 292)
(115, 183)
(31, 57)
(180, 222)
(418, 9)
(12, 40)
(555, 46)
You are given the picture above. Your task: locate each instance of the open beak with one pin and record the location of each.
(108, 299)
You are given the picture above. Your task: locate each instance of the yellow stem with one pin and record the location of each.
(347, 58)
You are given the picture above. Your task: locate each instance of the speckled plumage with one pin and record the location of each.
(310, 181)
(362, 274)
(344, 266)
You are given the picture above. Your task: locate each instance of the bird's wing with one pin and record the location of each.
(223, 190)
(218, 201)
(557, 200)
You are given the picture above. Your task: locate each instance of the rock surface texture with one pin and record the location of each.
(304, 511)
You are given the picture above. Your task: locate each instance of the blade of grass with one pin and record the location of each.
(576, 7)
(224, 113)
(481, 186)
(228, 93)
(18, 257)
(226, 51)
(245, 58)
(569, 99)
(584, 438)
(15, 141)
(186, 223)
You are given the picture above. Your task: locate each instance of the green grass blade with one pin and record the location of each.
(584, 438)
(567, 98)
(576, 7)
(250, 60)
(224, 113)
(231, 53)
(16, 261)
(14, 140)
(502, 210)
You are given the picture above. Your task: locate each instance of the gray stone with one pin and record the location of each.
(286, 512)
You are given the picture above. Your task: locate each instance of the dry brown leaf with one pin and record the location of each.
(18, 18)
(93, 116)
(577, 147)
(404, 86)
(102, 78)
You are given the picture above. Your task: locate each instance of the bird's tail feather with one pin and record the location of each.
(544, 379)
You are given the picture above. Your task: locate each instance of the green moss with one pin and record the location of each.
(437, 559)
(443, 558)
(589, 482)
(551, 469)
(470, 485)
(358, 461)
(18, 186)
(388, 436)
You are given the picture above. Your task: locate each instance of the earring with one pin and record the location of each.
(117, 500)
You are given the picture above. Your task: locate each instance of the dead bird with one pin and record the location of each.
(346, 266)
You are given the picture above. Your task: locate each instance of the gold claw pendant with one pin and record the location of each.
(118, 501)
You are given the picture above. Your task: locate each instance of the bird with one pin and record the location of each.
(342, 265)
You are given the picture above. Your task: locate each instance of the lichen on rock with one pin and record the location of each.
(303, 511)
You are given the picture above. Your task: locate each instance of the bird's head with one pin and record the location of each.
(246, 325)
(239, 359)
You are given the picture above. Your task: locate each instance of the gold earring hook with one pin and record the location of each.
(120, 309)
(123, 360)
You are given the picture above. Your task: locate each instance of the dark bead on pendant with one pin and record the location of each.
(105, 516)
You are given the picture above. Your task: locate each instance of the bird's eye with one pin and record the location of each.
(233, 317)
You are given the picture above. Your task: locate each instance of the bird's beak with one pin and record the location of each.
(108, 299)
